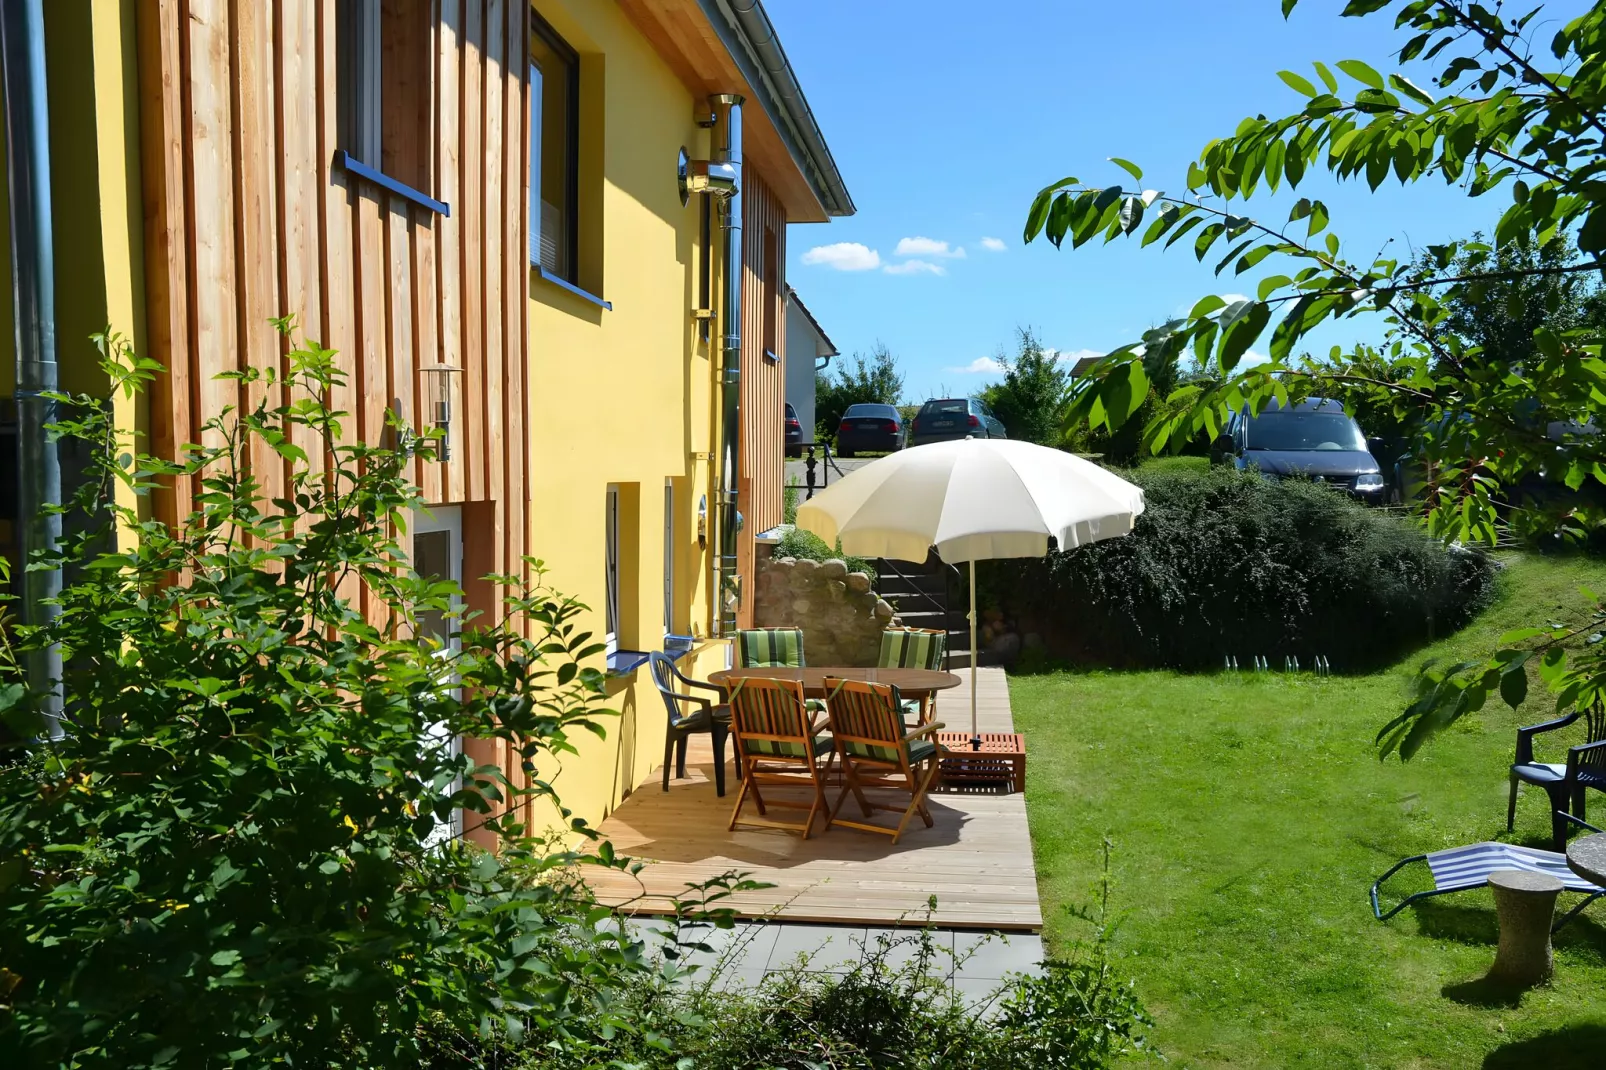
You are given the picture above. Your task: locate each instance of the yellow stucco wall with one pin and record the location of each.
(92, 84)
(624, 397)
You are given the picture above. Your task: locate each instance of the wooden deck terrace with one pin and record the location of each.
(976, 860)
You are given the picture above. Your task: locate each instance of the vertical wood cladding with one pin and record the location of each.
(763, 374)
(249, 217)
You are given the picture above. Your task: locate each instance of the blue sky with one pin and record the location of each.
(946, 118)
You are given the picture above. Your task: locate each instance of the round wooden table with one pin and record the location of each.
(1586, 857)
(911, 683)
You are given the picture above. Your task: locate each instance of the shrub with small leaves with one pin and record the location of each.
(248, 845)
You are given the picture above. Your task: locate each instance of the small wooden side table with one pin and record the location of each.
(1001, 760)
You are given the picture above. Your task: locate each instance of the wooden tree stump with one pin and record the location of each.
(1526, 904)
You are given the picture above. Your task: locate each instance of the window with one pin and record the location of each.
(669, 557)
(554, 224)
(772, 295)
(386, 87)
(438, 555)
(611, 596)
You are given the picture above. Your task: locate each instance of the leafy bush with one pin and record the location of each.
(806, 544)
(892, 1008)
(240, 851)
(1227, 563)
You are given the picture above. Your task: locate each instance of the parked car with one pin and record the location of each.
(1315, 439)
(794, 433)
(946, 419)
(869, 428)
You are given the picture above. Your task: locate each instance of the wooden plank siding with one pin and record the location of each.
(248, 217)
(762, 431)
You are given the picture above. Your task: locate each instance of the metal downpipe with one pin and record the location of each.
(27, 116)
(728, 149)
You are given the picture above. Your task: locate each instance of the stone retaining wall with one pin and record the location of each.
(840, 614)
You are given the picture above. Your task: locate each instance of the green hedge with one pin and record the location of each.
(1225, 563)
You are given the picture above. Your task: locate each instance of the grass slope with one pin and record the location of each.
(1249, 816)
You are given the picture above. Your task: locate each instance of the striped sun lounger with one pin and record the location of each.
(1462, 868)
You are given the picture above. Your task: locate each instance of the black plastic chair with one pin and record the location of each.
(708, 717)
(1564, 783)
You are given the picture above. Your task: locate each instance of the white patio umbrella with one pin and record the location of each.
(973, 500)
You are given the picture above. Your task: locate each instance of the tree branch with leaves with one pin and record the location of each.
(1504, 121)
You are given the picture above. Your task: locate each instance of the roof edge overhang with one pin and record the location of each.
(744, 28)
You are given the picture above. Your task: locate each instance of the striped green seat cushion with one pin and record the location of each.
(904, 649)
(919, 751)
(770, 648)
(823, 745)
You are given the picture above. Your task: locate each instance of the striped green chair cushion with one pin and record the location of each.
(823, 745)
(919, 751)
(905, 648)
(770, 648)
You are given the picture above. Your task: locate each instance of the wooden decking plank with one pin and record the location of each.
(977, 859)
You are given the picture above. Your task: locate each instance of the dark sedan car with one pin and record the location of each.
(794, 433)
(867, 428)
(1315, 439)
(946, 419)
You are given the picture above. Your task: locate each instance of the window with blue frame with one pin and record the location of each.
(554, 224)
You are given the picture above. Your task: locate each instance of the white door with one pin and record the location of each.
(437, 553)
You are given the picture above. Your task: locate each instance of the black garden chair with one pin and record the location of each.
(1565, 783)
(709, 716)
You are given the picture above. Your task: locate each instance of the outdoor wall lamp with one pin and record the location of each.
(713, 177)
(438, 397)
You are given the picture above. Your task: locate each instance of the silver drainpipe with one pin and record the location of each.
(27, 117)
(728, 150)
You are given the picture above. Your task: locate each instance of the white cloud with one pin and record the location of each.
(1251, 358)
(993, 245)
(928, 247)
(844, 256)
(915, 267)
(979, 366)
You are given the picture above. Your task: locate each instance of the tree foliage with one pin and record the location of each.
(241, 850)
(874, 379)
(1498, 118)
(1030, 399)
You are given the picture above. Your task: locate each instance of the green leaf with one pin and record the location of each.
(1410, 89)
(1514, 686)
(227, 957)
(1238, 338)
(1129, 167)
(1326, 76)
(1361, 72)
(1271, 284)
(1123, 392)
(1297, 83)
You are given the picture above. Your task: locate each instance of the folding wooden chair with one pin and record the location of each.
(777, 743)
(867, 725)
(769, 648)
(915, 648)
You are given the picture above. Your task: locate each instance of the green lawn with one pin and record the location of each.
(1250, 814)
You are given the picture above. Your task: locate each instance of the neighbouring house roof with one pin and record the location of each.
(1081, 366)
(750, 36)
(824, 347)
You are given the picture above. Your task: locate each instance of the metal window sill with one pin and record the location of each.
(625, 662)
(564, 284)
(773, 358)
(354, 166)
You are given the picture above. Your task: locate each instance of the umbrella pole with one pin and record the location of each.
(975, 736)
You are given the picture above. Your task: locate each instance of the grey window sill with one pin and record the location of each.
(564, 284)
(354, 166)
